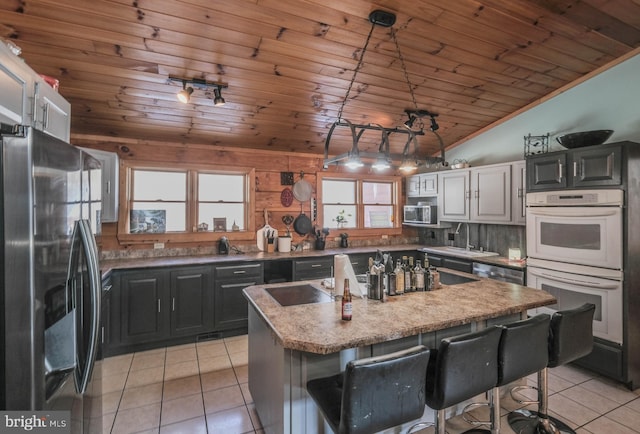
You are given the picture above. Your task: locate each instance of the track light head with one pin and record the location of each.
(218, 100)
(409, 123)
(185, 94)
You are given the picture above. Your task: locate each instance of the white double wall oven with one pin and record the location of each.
(575, 252)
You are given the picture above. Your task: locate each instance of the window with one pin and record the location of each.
(350, 203)
(187, 200)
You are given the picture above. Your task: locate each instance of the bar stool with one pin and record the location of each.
(465, 366)
(375, 393)
(570, 337)
(522, 351)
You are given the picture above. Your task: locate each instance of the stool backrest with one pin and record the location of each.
(465, 366)
(385, 391)
(571, 334)
(523, 348)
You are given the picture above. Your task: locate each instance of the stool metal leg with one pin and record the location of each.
(538, 422)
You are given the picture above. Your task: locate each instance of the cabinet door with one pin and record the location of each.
(429, 184)
(491, 194)
(16, 84)
(110, 170)
(596, 167)
(453, 200)
(191, 301)
(546, 172)
(518, 185)
(413, 186)
(144, 309)
(52, 113)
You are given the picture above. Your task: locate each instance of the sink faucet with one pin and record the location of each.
(469, 246)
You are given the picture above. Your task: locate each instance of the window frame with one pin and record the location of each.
(396, 188)
(191, 235)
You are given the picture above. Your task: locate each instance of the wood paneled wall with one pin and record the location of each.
(268, 166)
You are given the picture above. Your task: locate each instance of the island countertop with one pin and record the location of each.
(318, 328)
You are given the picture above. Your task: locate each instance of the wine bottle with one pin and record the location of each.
(418, 273)
(399, 272)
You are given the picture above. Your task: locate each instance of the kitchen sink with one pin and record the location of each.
(298, 294)
(454, 279)
(458, 251)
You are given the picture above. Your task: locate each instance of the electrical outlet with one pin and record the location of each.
(451, 236)
(158, 245)
(385, 237)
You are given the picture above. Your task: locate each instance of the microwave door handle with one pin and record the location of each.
(95, 282)
(588, 284)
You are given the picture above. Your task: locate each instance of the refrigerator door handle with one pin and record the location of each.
(91, 255)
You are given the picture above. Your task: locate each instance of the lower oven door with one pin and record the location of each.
(572, 290)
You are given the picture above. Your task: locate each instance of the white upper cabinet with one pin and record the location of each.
(16, 83)
(52, 113)
(491, 194)
(453, 200)
(422, 185)
(110, 172)
(518, 192)
(486, 194)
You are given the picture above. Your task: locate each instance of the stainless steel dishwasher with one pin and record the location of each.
(499, 273)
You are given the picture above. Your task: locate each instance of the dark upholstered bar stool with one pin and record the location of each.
(375, 393)
(570, 337)
(522, 351)
(465, 366)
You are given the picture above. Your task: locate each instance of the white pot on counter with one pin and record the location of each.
(284, 244)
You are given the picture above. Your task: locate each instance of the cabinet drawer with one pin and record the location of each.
(316, 268)
(239, 271)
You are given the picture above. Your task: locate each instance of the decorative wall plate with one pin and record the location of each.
(286, 197)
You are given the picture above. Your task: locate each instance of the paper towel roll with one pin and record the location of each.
(344, 270)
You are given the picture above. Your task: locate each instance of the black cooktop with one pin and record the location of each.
(298, 294)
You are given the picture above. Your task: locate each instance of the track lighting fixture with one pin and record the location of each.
(383, 159)
(188, 86)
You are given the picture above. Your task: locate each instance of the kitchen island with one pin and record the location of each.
(289, 345)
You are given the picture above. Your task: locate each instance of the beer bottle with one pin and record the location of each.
(347, 306)
(407, 274)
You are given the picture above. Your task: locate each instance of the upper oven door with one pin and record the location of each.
(579, 235)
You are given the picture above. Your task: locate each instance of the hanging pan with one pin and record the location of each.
(302, 224)
(302, 189)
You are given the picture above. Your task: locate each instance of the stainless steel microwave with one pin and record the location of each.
(425, 214)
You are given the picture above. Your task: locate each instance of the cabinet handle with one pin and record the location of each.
(158, 305)
(45, 116)
(560, 171)
(108, 187)
(102, 335)
(173, 304)
(240, 272)
(316, 265)
(575, 169)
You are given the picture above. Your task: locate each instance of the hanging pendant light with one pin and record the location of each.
(383, 159)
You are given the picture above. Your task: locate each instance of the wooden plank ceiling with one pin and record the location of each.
(288, 63)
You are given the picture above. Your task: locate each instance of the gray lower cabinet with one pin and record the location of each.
(159, 304)
(191, 301)
(231, 308)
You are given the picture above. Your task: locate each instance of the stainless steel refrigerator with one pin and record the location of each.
(51, 285)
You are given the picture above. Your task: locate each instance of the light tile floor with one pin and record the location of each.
(203, 388)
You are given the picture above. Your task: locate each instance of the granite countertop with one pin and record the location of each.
(170, 261)
(318, 328)
(107, 266)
